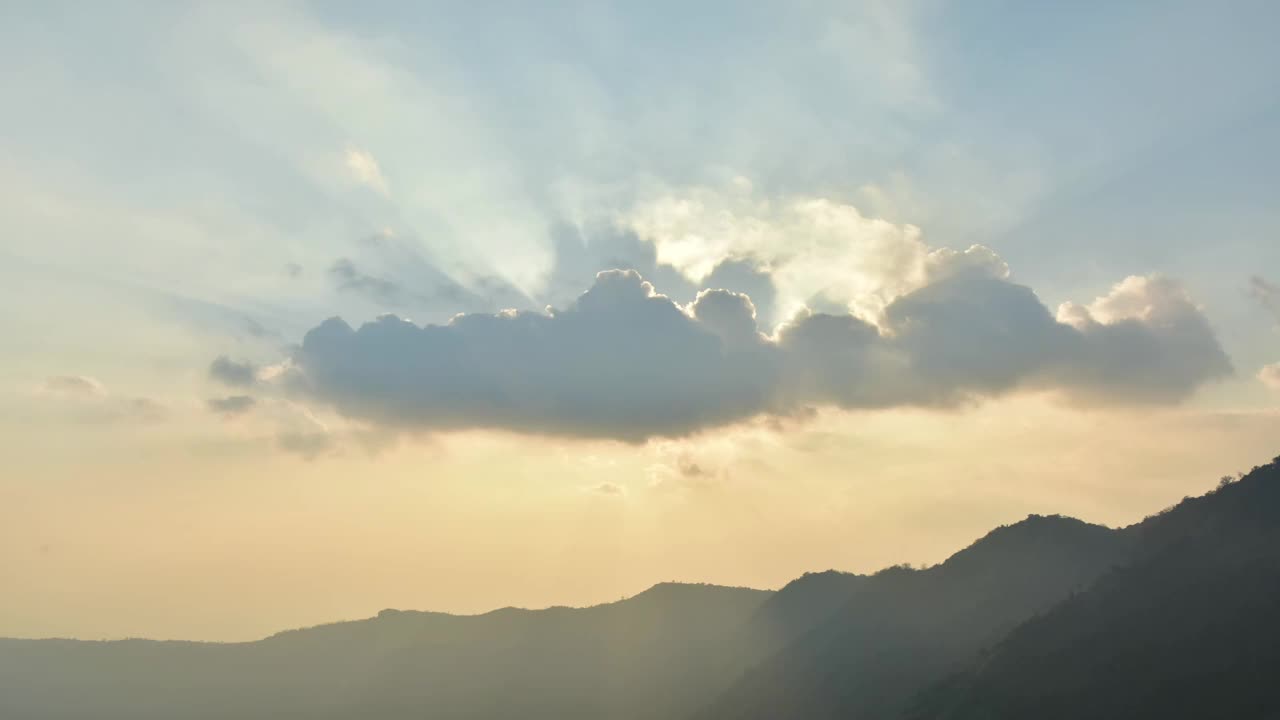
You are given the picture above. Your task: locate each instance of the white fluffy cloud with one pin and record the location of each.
(819, 253)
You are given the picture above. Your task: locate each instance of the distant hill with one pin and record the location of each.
(641, 657)
(1175, 617)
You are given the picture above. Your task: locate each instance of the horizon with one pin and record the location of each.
(658, 584)
(316, 309)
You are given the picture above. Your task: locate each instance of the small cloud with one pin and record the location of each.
(255, 329)
(302, 433)
(1270, 376)
(73, 386)
(608, 489)
(232, 373)
(310, 445)
(351, 279)
(143, 409)
(232, 405)
(683, 472)
(1267, 294)
(690, 469)
(364, 169)
(88, 400)
(292, 270)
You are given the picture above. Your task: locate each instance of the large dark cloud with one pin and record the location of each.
(622, 361)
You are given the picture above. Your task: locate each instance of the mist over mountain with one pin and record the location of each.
(1052, 617)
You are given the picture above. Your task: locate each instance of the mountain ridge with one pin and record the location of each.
(952, 641)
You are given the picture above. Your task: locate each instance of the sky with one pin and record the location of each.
(313, 309)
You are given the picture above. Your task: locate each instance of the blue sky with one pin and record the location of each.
(1083, 144)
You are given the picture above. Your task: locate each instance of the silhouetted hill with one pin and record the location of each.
(903, 628)
(1175, 617)
(1191, 629)
(798, 607)
(640, 657)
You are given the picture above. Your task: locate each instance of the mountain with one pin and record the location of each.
(1175, 617)
(646, 656)
(902, 629)
(1189, 629)
(801, 605)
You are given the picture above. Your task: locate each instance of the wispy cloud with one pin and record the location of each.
(231, 405)
(73, 385)
(1267, 294)
(87, 400)
(608, 489)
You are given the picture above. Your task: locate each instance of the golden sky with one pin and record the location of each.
(175, 532)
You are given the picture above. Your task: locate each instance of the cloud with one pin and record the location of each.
(231, 405)
(581, 253)
(1146, 338)
(608, 489)
(73, 385)
(1270, 376)
(819, 253)
(232, 373)
(310, 445)
(681, 471)
(690, 469)
(89, 401)
(141, 409)
(381, 290)
(625, 362)
(745, 277)
(407, 277)
(621, 361)
(300, 431)
(364, 170)
(255, 329)
(1267, 294)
